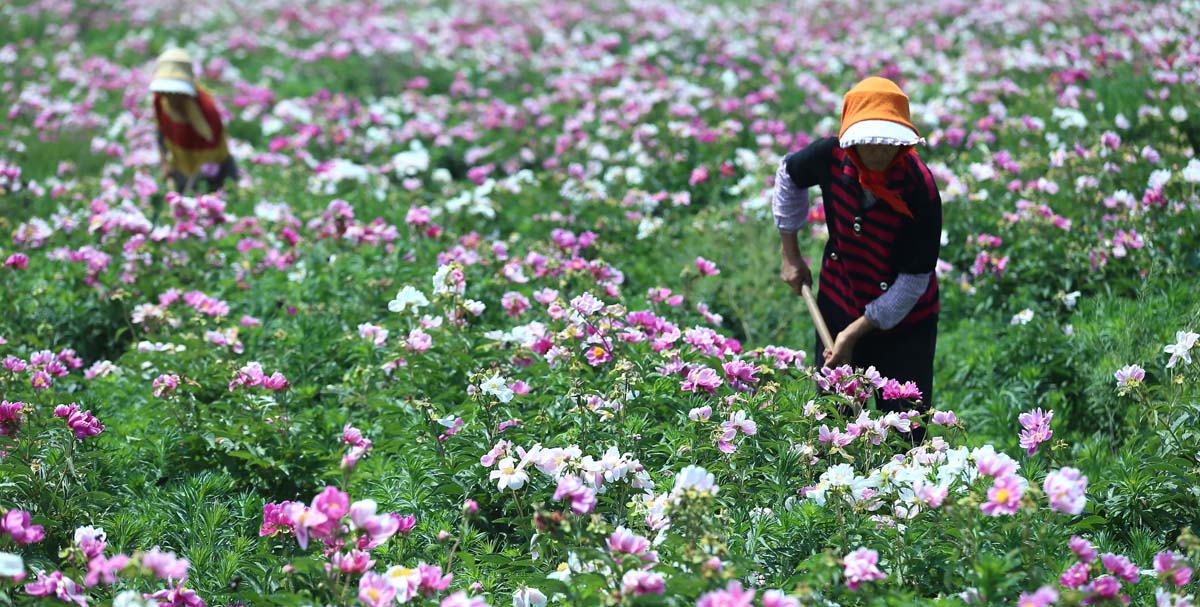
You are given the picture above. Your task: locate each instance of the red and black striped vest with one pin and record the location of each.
(865, 245)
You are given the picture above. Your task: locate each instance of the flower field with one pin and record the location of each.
(492, 314)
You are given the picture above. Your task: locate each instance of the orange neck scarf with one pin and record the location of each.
(876, 181)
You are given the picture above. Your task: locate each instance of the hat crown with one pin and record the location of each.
(875, 98)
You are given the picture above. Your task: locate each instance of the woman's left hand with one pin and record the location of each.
(843, 349)
(843, 345)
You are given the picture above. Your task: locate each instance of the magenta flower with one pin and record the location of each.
(17, 261)
(639, 582)
(58, 586)
(375, 591)
(404, 523)
(1121, 567)
(91, 541)
(16, 523)
(377, 528)
(1082, 548)
(10, 418)
(995, 465)
(1004, 497)
(583, 498)
(860, 566)
(40, 380)
(1042, 597)
(82, 423)
(731, 596)
(14, 364)
(275, 382)
(355, 561)
(105, 570)
(432, 579)
(1066, 490)
(702, 378)
(1075, 576)
(1129, 377)
(1036, 430)
(304, 520)
(894, 390)
(1171, 567)
(165, 384)
(699, 175)
(274, 519)
(597, 355)
(933, 495)
(740, 371)
(625, 541)
(706, 267)
(460, 599)
(165, 565)
(944, 418)
(778, 598)
(1103, 587)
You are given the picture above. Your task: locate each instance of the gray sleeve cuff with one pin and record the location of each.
(890, 308)
(788, 202)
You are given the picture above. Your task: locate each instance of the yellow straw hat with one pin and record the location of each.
(173, 73)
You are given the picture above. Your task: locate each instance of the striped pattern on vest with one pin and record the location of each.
(860, 256)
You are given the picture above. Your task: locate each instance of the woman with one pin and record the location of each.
(191, 137)
(878, 292)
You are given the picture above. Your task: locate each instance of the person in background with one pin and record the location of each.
(878, 291)
(191, 136)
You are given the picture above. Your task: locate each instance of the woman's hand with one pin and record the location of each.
(795, 272)
(843, 345)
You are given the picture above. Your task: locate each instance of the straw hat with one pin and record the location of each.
(876, 111)
(173, 73)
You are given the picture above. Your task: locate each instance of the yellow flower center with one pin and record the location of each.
(597, 352)
(1002, 495)
(373, 593)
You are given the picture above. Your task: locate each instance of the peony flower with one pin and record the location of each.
(1004, 497)
(1042, 597)
(860, 566)
(375, 591)
(706, 267)
(16, 523)
(1066, 490)
(731, 596)
(1172, 568)
(509, 475)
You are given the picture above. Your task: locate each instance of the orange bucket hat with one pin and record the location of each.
(876, 111)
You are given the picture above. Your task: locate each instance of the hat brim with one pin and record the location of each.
(879, 132)
(172, 85)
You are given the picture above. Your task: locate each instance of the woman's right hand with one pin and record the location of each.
(795, 273)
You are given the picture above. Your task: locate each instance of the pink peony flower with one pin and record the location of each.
(16, 523)
(165, 384)
(1075, 576)
(58, 586)
(1066, 490)
(778, 598)
(1036, 429)
(375, 591)
(82, 423)
(583, 498)
(860, 566)
(706, 267)
(1042, 597)
(1004, 497)
(165, 565)
(1082, 548)
(1172, 568)
(1121, 567)
(639, 582)
(731, 596)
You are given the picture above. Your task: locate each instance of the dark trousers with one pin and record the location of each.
(226, 170)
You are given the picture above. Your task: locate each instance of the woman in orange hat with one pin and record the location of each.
(191, 136)
(878, 291)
